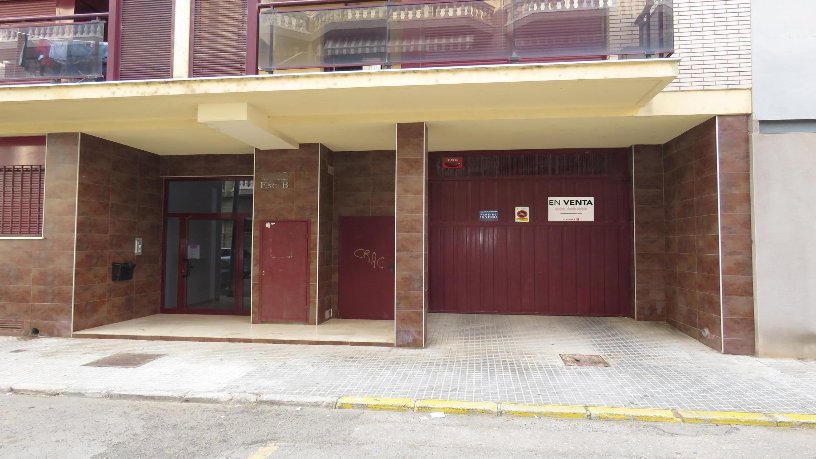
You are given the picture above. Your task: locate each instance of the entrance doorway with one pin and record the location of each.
(500, 241)
(284, 286)
(366, 274)
(207, 246)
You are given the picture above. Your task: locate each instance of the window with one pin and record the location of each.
(22, 186)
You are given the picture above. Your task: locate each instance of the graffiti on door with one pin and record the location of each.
(370, 257)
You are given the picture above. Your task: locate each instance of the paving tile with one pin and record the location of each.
(468, 357)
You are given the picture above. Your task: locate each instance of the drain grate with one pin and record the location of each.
(582, 360)
(124, 360)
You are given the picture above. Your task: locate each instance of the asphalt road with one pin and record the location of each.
(69, 427)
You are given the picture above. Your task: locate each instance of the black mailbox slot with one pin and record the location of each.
(122, 271)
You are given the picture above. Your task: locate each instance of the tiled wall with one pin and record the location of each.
(297, 202)
(650, 233)
(36, 276)
(364, 183)
(708, 213)
(692, 234)
(363, 186)
(119, 199)
(326, 289)
(411, 228)
(206, 165)
(735, 224)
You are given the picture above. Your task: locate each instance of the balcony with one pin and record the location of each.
(53, 49)
(427, 33)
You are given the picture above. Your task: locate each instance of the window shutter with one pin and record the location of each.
(146, 40)
(219, 37)
(26, 8)
(21, 200)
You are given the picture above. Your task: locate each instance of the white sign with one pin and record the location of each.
(522, 215)
(194, 252)
(570, 209)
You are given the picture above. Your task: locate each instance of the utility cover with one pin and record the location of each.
(124, 360)
(582, 360)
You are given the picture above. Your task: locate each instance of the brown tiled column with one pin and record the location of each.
(53, 261)
(37, 275)
(735, 235)
(411, 228)
(296, 202)
(650, 233)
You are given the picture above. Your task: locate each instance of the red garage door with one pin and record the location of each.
(482, 260)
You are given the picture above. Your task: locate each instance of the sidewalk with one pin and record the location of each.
(469, 357)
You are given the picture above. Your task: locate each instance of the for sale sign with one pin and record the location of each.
(570, 209)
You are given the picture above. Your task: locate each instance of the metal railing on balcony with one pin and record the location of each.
(53, 49)
(426, 33)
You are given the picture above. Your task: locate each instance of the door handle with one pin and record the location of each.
(186, 267)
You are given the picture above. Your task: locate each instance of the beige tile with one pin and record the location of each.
(240, 328)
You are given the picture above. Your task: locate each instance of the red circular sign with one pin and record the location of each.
(521, 213)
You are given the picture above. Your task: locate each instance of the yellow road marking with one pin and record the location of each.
(264, 451)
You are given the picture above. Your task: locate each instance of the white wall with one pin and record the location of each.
(784, 44)
(784, 188)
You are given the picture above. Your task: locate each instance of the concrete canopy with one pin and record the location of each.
(554, 105)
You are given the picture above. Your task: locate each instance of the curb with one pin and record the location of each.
(464, 407)
(579, 412)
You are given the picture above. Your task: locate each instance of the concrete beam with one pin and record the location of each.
(244, 123)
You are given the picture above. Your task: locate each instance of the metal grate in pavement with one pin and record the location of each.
(124, 360)
(583, 360)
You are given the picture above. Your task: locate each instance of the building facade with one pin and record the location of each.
(783, 169)
(305, 163)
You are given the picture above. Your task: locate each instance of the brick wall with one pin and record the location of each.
(622, 31)
(713, 41)
(119, 199)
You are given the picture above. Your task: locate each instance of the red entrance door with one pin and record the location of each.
(366, 270)
(284, 263)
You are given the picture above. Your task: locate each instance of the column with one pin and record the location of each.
(410, 233)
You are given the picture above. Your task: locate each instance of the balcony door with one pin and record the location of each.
(207, 246)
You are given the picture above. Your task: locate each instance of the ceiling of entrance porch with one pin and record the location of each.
(580, 104)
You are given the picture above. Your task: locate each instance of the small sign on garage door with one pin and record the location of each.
(488, 215)
(570, 209)
(523, 214)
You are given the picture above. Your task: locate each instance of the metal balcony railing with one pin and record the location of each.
(53, 49)
(425, 33)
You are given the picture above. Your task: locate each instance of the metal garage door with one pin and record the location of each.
(483, 263)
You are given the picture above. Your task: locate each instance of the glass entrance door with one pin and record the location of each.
(207, 252)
